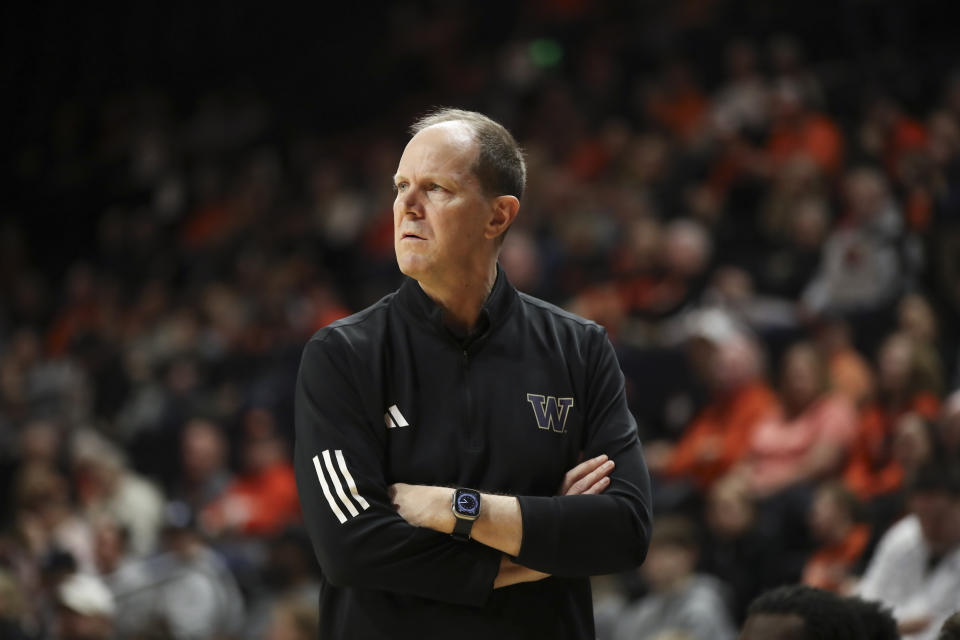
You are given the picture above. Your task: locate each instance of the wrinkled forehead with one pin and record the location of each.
(443, 147)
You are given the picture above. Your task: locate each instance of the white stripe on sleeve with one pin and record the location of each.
(350, 483)
(347, 502)
(326, 492)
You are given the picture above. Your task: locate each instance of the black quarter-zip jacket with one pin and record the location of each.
(391, 395)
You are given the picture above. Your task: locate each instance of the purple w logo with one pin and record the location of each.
(551, 413)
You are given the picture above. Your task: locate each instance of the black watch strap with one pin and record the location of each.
(461, 530)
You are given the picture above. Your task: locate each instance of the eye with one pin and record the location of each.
(399, 186)
(433, 186)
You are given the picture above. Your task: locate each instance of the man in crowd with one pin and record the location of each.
(916, 567)
(434, 429)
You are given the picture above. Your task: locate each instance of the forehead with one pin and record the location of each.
(773, 626)
(445, 148)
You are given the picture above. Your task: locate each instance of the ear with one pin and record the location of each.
(503, 212)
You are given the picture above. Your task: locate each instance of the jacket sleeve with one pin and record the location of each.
(595, 534)
(358, 538)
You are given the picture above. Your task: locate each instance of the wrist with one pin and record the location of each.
(443, 518)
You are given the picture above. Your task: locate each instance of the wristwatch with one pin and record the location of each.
(466, 508)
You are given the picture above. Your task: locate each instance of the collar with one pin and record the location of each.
(415, 302)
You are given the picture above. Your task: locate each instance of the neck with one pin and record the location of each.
(462, 299)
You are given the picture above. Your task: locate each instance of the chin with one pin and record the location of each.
(411, 266)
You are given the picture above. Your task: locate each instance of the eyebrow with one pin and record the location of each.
(431, 177)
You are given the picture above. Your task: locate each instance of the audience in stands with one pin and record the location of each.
(723, 216)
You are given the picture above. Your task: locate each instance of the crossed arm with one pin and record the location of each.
(500, 524)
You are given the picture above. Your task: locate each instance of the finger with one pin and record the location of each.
(598, 487)
(580, 471)
(584, 483)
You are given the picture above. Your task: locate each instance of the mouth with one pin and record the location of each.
(410, 236)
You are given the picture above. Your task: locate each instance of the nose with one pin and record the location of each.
(409, 203)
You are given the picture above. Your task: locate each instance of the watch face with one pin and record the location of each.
(467, 502)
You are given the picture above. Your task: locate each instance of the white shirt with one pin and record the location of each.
(898, 577)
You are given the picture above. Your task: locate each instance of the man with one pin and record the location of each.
(799, 612)
(85, 609)
(457, 393)
(916, 567)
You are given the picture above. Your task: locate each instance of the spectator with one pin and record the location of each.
(743, 550)
(907, 381)
(47, 520)
(205, 476)
(289, 576)
(877, 620)
(842, 539)
(848, 371)
(263, 499)
(719, 436)
(860, 271)
(798, 131)
(104, 484)
(680, 601)
(916, 567)
(85, 609)
(802, 613)
(810, 441)
(186, 588)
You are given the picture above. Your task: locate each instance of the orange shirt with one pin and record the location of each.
(780, 447)
(816, 136)
(262, 503)
(720, 435)
(871, 471)
(827, 567)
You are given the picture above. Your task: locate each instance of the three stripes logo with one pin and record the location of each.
(327, 470)
(394, 418)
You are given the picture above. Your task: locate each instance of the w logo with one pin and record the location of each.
(551, 413)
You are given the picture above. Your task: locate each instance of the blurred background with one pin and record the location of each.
(759, 201)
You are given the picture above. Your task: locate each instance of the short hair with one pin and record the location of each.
(499, 166)
(951, 628)
(876, 619)
(825, 615)
(935, 478)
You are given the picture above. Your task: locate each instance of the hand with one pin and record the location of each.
(513, 573)
(587, 477)
(423, 505)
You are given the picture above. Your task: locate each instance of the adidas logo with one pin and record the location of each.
(394, 419)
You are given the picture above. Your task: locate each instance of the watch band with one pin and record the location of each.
(461, 530)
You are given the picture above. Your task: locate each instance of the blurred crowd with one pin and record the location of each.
(772, 244)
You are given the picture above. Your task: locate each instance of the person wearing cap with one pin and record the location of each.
(85, 609)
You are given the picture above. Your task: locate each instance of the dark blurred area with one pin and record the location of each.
(760, 201)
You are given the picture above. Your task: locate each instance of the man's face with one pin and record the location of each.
(939, 516)
(773, 626)
(440, 209)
